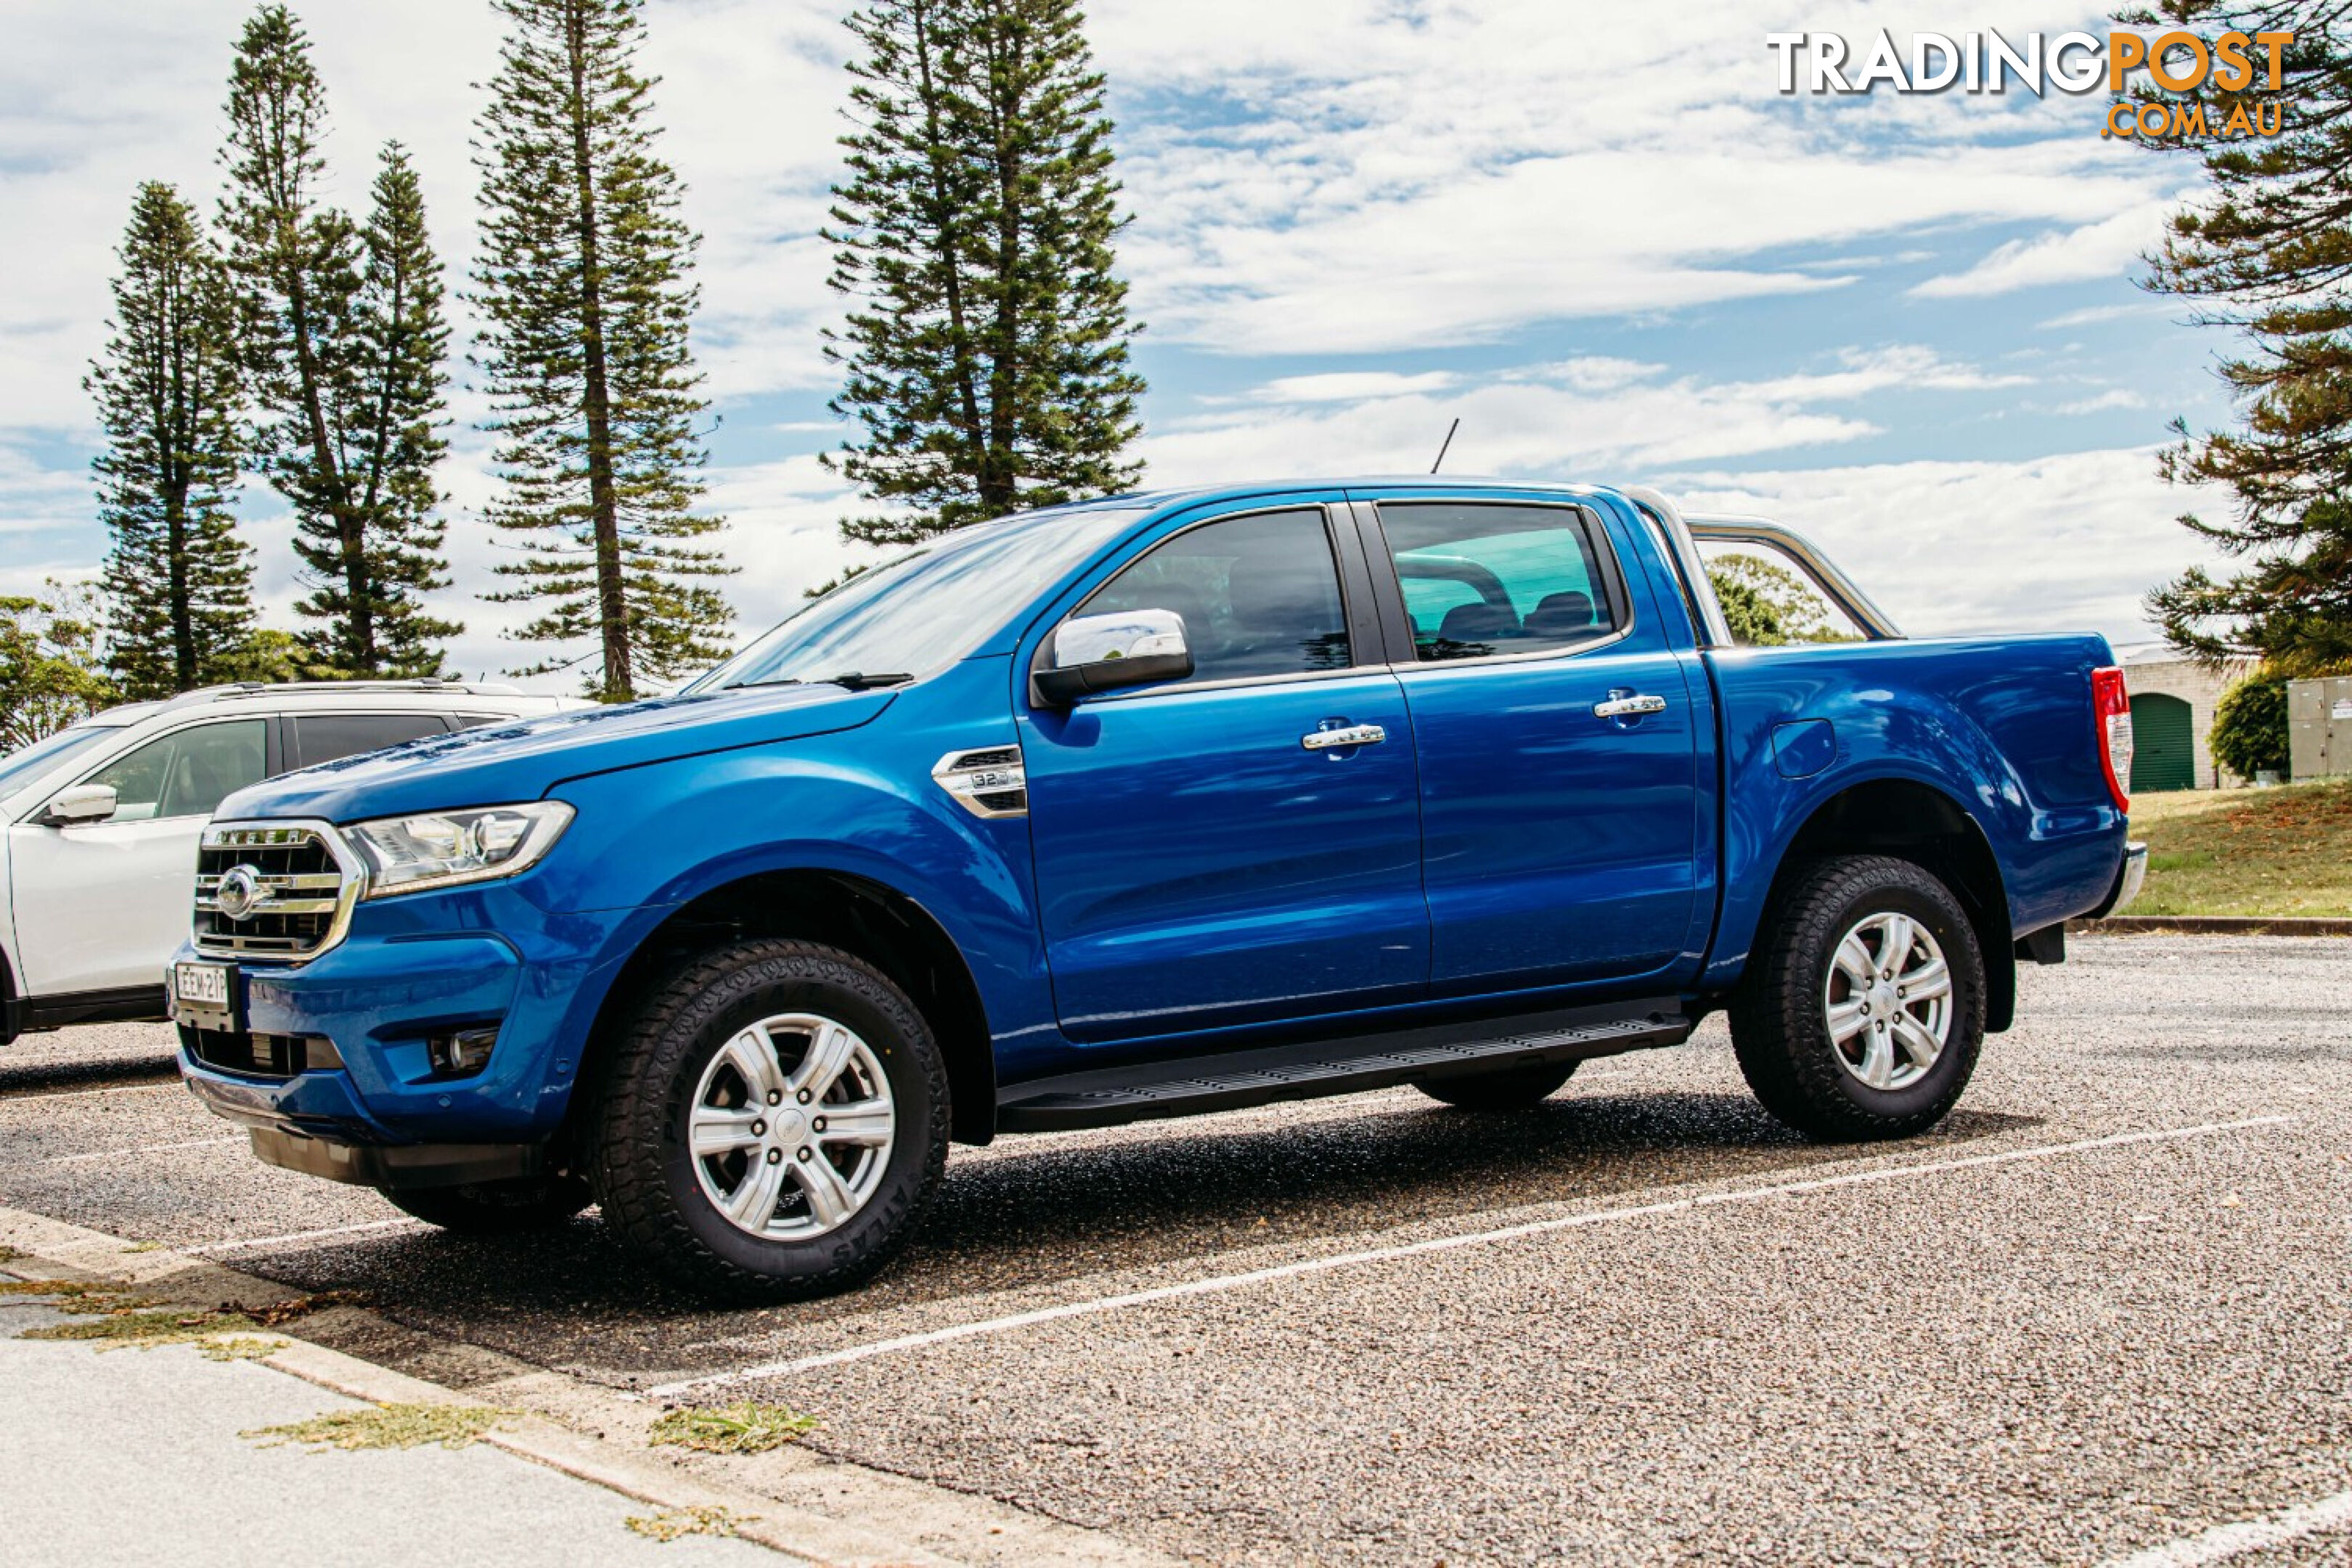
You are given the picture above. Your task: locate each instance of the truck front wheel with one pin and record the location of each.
(775, 1124)
(1862, 1009)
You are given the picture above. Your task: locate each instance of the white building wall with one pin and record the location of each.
(2160, 671)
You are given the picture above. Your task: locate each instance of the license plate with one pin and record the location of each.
(200, 993)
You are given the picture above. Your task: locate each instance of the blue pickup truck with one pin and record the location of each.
(1153, 806)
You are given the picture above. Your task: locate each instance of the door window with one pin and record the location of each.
(1259, 595)
(324, 737)
(1485, 580)
(187, 772)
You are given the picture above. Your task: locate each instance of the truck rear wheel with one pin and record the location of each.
(1508, 1088)
(1862, 1010)
(775, 1124)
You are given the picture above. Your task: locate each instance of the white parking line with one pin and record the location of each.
(78, 1093)
(1223, 1282)
(149, 1149)
(2227, 1541)
(212, 1247)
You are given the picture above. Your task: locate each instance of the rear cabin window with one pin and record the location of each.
(1484, 580)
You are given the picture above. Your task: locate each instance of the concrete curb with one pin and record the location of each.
(563, 1424)
(2215, 925)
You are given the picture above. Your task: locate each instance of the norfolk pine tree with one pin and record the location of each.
(343, 337)
(178, 580)
(986, 354)
(584, 291)
(2268, 250)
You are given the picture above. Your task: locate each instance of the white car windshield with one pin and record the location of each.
(914, 617)
(20, 767)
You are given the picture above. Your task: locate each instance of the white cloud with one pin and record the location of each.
(2114, 397)
(2061, 544)
(1351, 387)
(1580, 415)
(2108, 248)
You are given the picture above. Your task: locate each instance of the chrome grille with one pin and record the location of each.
(288, 890)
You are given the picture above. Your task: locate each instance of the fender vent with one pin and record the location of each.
(991, 782)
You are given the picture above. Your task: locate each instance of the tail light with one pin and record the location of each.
(2111, 710)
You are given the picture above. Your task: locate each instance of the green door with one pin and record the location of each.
(2164, 748)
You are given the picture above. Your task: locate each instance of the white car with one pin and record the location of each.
(102, 819)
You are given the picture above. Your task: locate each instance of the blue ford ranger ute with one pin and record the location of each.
(1154, 806)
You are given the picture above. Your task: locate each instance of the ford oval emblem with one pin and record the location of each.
(241, 892)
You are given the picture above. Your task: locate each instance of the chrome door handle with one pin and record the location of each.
(1352, 735)
(1628, 707)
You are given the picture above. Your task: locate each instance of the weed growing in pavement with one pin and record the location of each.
(388, 1426)
(144, 1247)
(116, 1328)
(242, 1347)
(745, 1428)
(9, 1255)
(672, 1524)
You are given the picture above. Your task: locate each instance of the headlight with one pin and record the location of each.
(445, 848)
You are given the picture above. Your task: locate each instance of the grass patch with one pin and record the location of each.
(388, 1426)
(241, 1347)
(734, 1429)
(675, 1523)
(146, 1330)
(144, 1247)
(9, 1255)
(2284, 851)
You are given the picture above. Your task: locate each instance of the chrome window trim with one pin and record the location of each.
(223, 835)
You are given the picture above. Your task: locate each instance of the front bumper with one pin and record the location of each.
(2129, 876)
(397, 1165)
(409, 972)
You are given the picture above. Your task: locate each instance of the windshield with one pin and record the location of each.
(20, 767)
(916, 615)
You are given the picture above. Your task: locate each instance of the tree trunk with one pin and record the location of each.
(966, 377)
(359, 651)
(999, 472)
(603, 506)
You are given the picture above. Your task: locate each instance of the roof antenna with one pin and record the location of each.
(1446, 447)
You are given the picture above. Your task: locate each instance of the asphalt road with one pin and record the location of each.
(2103, 1310)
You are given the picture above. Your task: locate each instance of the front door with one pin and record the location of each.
(102, 907)
(1558, 747)
(1203, 859)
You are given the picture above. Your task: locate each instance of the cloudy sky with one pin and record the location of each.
(1905, 323)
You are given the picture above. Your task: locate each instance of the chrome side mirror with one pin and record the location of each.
(79, 807)
(1087, 654)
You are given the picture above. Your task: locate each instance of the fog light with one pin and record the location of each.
(461, 1053)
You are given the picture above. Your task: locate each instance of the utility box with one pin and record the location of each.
(2320, 727)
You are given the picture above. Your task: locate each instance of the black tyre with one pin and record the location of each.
(773, 1124)
(497, 1208)
(1862, 1013)
(1507, 1088)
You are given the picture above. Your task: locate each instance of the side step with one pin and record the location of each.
(1231, 1080)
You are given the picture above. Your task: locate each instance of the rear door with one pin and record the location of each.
(1557, 740)
(1201, 859)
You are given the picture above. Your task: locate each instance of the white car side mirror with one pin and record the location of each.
(1105, 653)
(80, 805)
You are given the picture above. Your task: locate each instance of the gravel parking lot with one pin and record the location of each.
(2104, 1309)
